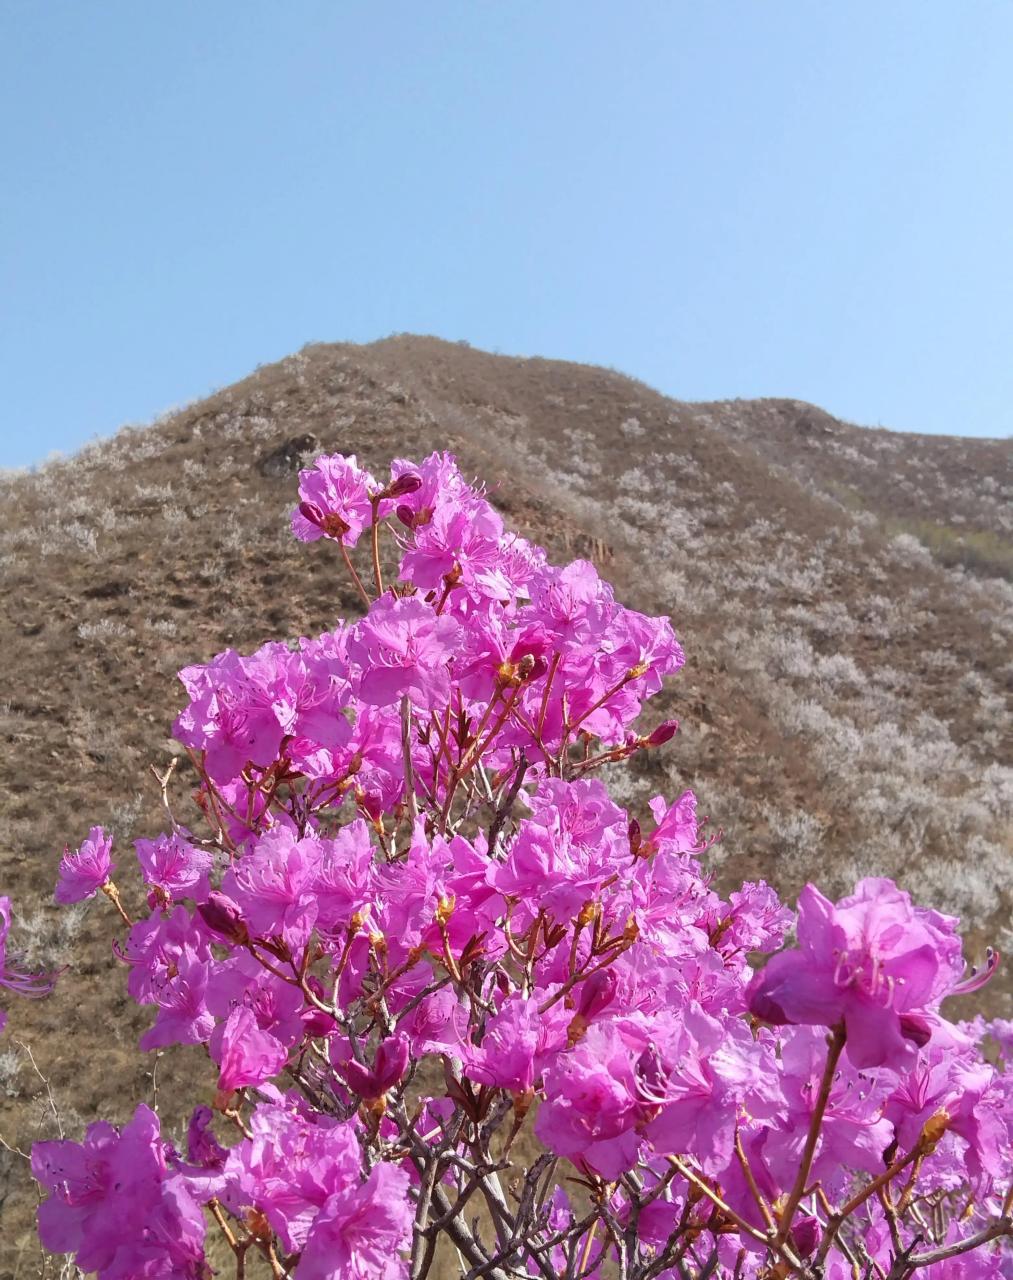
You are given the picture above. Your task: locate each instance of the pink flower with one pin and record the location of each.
(463, 543)
(677, 829)
(183, 1016)
(404, 647)
(85, 871)
(854, 1133)
(359, 1232)
(971, 1095)
(573, 601)
(700, 1072)
(231, 715)
(593, 1107)
(345, 877)
(575, 839)
(291, 1166)
(516, 1044)
(440, 481)
(245, 1054)
(242, 981)
(156, 946)
(115, 1204)
(873, 963)
(172, 864)
(753, 920)
(335, 501)
(273, 886)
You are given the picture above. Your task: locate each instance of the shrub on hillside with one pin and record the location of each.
(459, 1004)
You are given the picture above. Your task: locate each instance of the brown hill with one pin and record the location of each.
(842, 593)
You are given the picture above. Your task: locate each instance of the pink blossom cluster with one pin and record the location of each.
(448, 988)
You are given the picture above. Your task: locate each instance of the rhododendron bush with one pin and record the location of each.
(461, 1010)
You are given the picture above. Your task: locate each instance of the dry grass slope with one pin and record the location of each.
(843, 595)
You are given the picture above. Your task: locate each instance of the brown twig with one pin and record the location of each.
(834, 1049)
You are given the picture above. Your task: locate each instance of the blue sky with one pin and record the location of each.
(724, 199)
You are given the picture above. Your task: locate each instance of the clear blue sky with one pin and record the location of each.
(724, 199)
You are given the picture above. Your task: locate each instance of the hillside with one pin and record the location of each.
(842, 594)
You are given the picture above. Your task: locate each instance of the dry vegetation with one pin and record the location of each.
(843, 595)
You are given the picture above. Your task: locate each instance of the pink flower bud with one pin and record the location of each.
(311, 513)
(317, 1022)
(805, 1232)
(391, 1061)
(662, 733)
(222, 916)
(402, 486)
(202, 1147)
(636, 836)
(596, 993)
(388, 1070)
(916, 1028)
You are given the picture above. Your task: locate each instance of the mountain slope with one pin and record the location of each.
(844, 703)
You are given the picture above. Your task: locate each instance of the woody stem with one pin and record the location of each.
(354, 575)
(805, 1168)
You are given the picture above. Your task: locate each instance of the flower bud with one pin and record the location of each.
(392, 1061)
(576, 1030)
(222, 916)
(916, 1028)
(805, 1232)
(329, 522)
(202, 1147)
(597, 993)
(522, 1103)
(387, 1071)
(587, 913)
(402, 486)
(932, 1130)
(317, 1022)
(311, 513)
(636, 838)
(662, 733)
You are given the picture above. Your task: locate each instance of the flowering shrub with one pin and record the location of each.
(451, 992)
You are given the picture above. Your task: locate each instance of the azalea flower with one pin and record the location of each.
(86, 870)
(872, 964)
